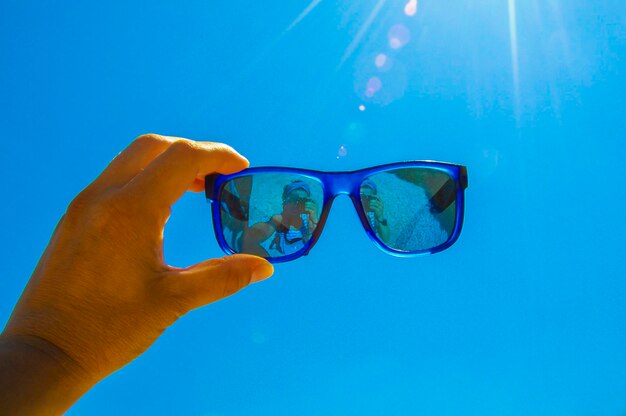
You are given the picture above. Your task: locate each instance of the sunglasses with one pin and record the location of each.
(406, 208)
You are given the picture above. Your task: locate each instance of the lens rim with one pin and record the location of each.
(344, 183)
(361, 210)
(216, 187)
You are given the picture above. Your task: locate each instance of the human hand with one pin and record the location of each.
(102, 293)
(310, 207)
(377, 206)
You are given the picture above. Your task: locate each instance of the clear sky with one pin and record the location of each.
(525, 314)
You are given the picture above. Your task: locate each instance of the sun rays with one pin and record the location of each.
(359, 35)
(308, 9)
(514, 59)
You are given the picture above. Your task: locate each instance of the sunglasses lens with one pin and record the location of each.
(410, 209)
(270, 215)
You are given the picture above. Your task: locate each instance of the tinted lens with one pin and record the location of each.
(270, 214)
(410, 209)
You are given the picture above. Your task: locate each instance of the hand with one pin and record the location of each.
(310, 207)
(102, 293)
(376, 205)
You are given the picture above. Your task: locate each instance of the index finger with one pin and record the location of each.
(169, 175)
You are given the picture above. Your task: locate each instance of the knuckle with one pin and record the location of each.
(223, 149)
(195, 151)
(80, 204)
(186, 148)
(149, 138)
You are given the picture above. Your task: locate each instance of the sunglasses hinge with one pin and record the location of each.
(209, 185)
(463, 176)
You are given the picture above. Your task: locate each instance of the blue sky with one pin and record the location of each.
(523, 315)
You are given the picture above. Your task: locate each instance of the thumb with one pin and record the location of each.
(214, 279)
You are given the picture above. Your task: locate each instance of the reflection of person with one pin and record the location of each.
(290, 230)
(101, 293)
(235, 210)
(374, 209)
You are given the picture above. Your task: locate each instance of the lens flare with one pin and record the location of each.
(410, 9)
(374, 84)
(362, 31)
(380, 60)
(361, 107)
(398, 36)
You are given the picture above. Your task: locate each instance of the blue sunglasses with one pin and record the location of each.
(407, 208)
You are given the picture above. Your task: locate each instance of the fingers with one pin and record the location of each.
(197, 185)
(132, 160)
(376, 206)
(175, 170)
(214, 279)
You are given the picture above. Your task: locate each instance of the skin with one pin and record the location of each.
(290, 217)
(101, 293)
(376, 206)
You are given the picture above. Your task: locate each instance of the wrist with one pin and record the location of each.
(38, 377)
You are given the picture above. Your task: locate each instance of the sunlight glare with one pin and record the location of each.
(357, 38)
(399, 36)
(304, 13)
(410, 8)
(514, 58)
(380, 60)
(373, 85)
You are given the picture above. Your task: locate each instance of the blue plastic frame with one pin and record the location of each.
(342, 183)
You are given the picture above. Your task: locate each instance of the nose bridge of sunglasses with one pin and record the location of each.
(342, 183)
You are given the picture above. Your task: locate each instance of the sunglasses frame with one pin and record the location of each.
(342, 183)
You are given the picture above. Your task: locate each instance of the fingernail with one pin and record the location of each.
(262, 272)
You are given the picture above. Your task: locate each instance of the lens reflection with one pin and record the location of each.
(410, 209)
(270, 214)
